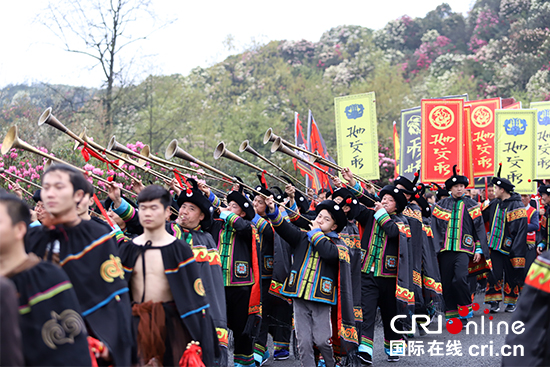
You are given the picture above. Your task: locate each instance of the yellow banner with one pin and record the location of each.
(356, 134)
(516, 150)
(543, 138)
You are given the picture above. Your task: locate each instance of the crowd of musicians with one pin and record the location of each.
(182, 274)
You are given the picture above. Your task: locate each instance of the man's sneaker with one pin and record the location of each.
(264, 359)
(393, 358)
(321, 363)
(495, 307)
(281, 354)
(365, 358)
(510, 308)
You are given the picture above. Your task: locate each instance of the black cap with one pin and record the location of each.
(335, 211)
(36, 196)
(440, 192)
(262, 187)
(421, 200)
(456, 179)
(240, 198)
(410, 186)
(347, 199)
(278, 194)
(397, 194)
(502, 182)
(195, 196)
(544, 189)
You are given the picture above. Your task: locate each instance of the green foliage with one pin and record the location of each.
(500, 49)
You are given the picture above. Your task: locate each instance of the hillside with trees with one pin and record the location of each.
(501, 48)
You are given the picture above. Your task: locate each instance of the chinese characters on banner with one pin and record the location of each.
(409, 158)
(468, 155)
(356, 134)
(482, 117)
(515, 137)
(543, 138)
(442, 138)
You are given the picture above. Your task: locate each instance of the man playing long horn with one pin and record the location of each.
(237, 241)
(89, 254)
(459, 233)
(507, 244)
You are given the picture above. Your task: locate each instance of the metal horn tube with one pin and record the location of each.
(48, 118)
(173, 150)
(12, 140)
(245, 147)
(222, 151)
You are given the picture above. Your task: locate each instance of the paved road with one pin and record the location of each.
(471, 345)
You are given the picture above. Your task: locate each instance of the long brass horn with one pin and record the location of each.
(245, 147)
(222, 151)
(48, 118)
(12, 140)
(123, 157)
(116, 146)
(173, 150)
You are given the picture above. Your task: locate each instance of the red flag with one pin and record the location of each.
(317, 145)
(305, 169)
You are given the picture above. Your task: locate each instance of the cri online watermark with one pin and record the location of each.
(455, 326)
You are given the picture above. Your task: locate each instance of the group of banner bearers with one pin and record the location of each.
(146, 286)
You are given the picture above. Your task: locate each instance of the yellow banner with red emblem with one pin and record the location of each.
(515, 137)
(442, 138)
(482, 116)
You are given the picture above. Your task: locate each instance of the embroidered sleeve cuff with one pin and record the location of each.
(293, 213)
(121, 208)
(256, 219)
(479, 250)
(216, 202)
(315, 235)
(260, 223)
(358, 189)
(36, 223)
(276, 217)
(541, 245)
(125, 211)
(224, 214)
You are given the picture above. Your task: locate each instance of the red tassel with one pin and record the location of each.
(110, 178)
(94, 345)
(263, 180)
(348, 201)
(85, 153)
(192, 357)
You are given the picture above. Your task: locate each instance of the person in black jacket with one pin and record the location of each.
(313, 276)
(507, 241)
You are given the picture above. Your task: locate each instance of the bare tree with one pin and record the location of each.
(103, 30)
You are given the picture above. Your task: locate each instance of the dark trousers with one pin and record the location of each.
(453, 266)
(276, 319)
(236, 299)
(504, 278)
(377, 292)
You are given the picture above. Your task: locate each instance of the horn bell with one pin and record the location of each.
(48, 118)
(117, 147)
(221, 151)
(173, 150)
(269, 136)
(278, 146)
